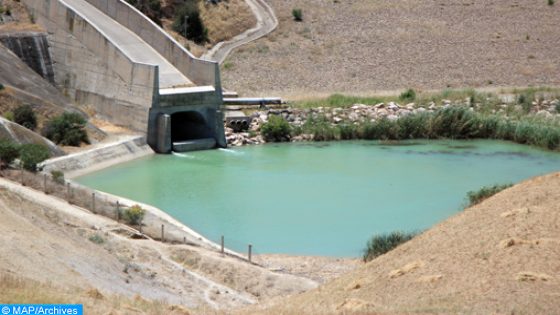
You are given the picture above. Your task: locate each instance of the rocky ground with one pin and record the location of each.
(359, 46)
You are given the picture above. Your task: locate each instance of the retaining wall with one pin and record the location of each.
(199, 71)
(94, 71)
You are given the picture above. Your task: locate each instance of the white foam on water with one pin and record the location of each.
(231, 151)
(183, 155)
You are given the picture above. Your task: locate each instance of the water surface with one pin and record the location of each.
(320, 198)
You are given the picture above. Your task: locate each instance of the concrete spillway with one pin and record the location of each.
(110, 56)
(131, 44)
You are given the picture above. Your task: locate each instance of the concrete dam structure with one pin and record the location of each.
(109, 57)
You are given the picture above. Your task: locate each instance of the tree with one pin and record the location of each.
(25, 116)
(9, 151)
(189, 24)
(32, 154)
(67, 129)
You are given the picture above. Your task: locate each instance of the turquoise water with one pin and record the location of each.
(319, 198)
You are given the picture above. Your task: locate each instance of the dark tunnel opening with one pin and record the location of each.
(189, 126)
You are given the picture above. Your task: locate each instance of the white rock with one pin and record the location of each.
(392, 117)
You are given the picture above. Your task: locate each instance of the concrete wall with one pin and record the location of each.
(99, 157)
(94, 71)
(201, 72)
(33, 49)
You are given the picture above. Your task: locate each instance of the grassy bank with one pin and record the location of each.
(457, 122)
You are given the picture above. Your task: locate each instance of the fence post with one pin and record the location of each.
(118, 212)
(222, 247)
(45, 183)
(68, 193)
(184, 239)
(162, 233)
(249, 254)
(22, 183)
(93, 202)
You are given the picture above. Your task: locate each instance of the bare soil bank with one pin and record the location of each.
(361, 46)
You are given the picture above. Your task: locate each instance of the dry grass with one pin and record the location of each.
(226, 19)
(498, 257)
(23, 20)
(358, 46)
(18, 290)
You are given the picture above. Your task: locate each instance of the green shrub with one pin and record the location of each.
(408, 95)
(25, 116)
(383, 243)
(97, 239)
(32, 154)
(66, 129)
(150, 8)
(550, 2)
(9, 116)
(320, 128)
(526, 100)
(134, 215)
(9, 151)
(485, 192)
(557, 108)
(297, 14)
(189, 24)
(58, 177)
(276, 129)
(1, 86)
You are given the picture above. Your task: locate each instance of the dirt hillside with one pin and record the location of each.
(499, 257)
(366, 45)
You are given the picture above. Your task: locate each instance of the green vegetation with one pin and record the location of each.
(478, 196)
(408, 95)
(550, 2)
(9, 116)
(9, 151)
(134, 215)
(150, 8)
(97, 239)
(58, 177)
(228, 65)
(383, 243)
(25, 116)
(189, 24)
(456, 122)
(32, 154)
(67, 129)
(1, 86)
(276, 129)
(340, 100)
(297, 14)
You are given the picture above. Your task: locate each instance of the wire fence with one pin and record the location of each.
(157, 226)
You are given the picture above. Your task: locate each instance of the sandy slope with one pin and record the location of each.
(47, 240)
(499, 257)
(365, 45)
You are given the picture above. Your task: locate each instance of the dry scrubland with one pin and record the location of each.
(359, 46)
(223, 20)
(498, 257)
